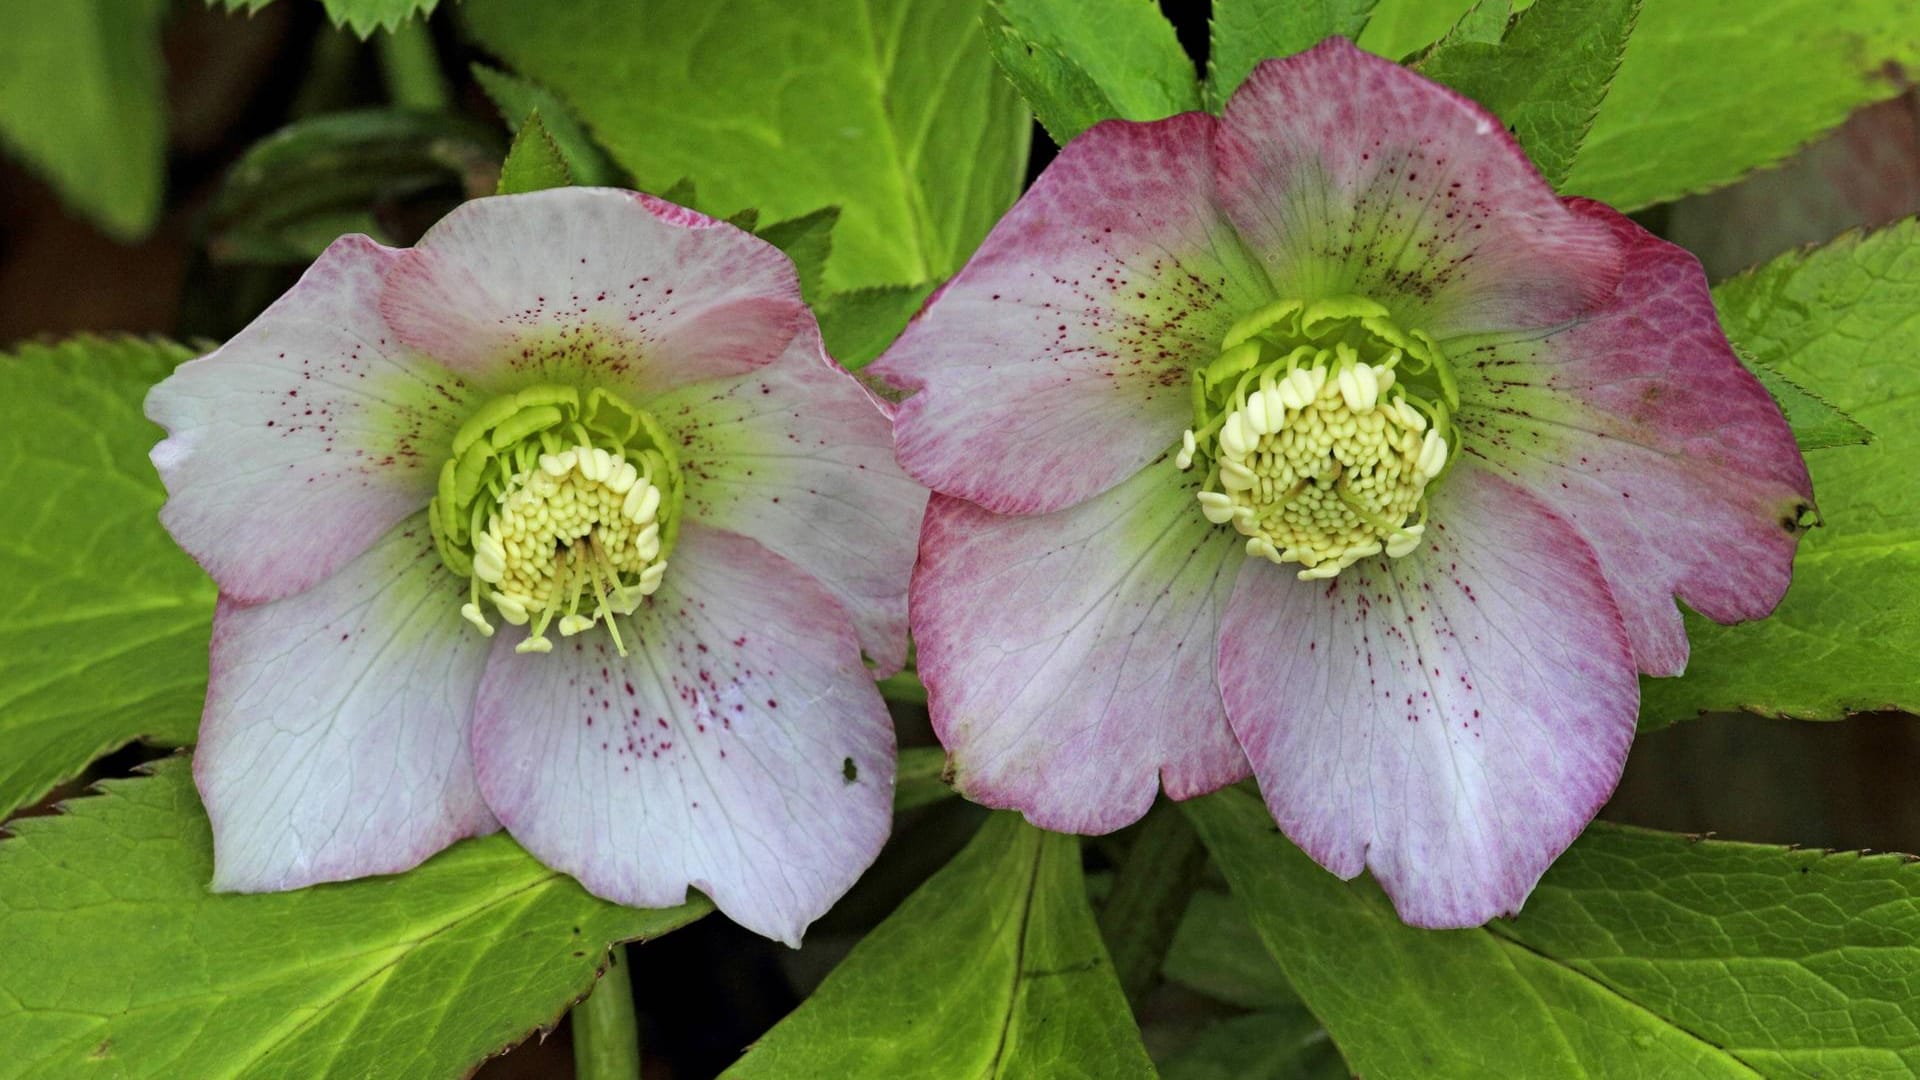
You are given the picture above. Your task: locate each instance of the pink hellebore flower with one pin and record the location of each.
(1322, 437)
(562, 521)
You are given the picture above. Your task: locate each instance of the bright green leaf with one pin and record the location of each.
(993, 968)
(1079, 63)
(890, 110)
(115, 960)
(860, 324)
(1839, 321)
(1547, 77)
(363, 17)
(1245, 32)
(103, 639)
(534, 162)
(1713, 89)
(808, 241)
(1679, 956)
(516, 98)
(1485, 21)
(82, 101)
(1400, 28)
(1281, 1044)
(1816, 423)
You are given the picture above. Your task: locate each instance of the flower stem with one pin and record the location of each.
(606, 1035)
(411, 69)
(1150, 893)
(905, 686)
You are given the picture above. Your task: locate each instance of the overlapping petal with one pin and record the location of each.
(798, 456)
(596, 285)
(1450, 720)
(1068, 657)
(334, 743)
(1640, 426)
(1055, 364)
(1349, 174)
(297, 444)
(741, 749)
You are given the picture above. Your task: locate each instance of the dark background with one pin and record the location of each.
(708, 990)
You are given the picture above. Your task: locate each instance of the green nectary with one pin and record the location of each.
(547, 501)
(1321, 426)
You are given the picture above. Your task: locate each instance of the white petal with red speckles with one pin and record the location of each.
(297, 444)
(1068, 657)
(1450, 720)
(1350, 174)
(741, 749)
(334, 743)
(798, 456)
(1055, 364)
(1641, 427)
(610, 287)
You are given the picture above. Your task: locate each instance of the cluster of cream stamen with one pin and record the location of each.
(559, 513)
(1317, 451)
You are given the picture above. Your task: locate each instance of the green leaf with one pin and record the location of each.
(1485, 21)
(1401, 28)
(1217, 952)
(1838, 320)
(1245, 32)
(993, 968)
(103, 639)
(860, 324)
(82, 102)
(808, 241)
(1712, 89)
(299, 189)
(116, 960)
(1816, 423)
(1682, 957)
(534, 162)
(920, 778)
(890, 110)
(516, 98)
(363, 17)
(1078, 63)
(1281, 1044)
(1547, 77)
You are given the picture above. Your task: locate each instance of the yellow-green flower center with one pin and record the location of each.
(560, 514)
(1321, 426)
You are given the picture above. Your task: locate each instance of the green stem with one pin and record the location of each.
(412, 71)
(606, 1035)
(905, 686)
(1150, 893)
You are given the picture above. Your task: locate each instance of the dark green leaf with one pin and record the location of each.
(1079, 63)
(103, 639)
(1281, 1044)
(115, 960)
(993, 968)
(533, 162)
(1218, 953)
(1837, 320)
(1816, 423)
(920, 778)
(1547, 77)
(890, 110)
(859, 325)
(363, 17)
(516, 98)
(1063, 97)
(1245, 32)
(808, 241)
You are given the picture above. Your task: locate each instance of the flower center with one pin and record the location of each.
(1321, 426)
(557, 513)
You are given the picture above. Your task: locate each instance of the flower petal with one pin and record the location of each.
(297, 444)
(1068, 657)
(1450, 720)
(334, 743)
(598, 284)
(1641, 427)
(798, 456)
(1054, 365)
(1351, 174)
(741, 749)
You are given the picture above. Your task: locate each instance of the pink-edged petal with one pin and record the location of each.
(1450, 720)
(334, 743)
(297, 444)
(1348, 173)
(741, 748)
(594, 284)
(1068, 657)
(1055, 364)
(798, 456)
(1640, 426)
